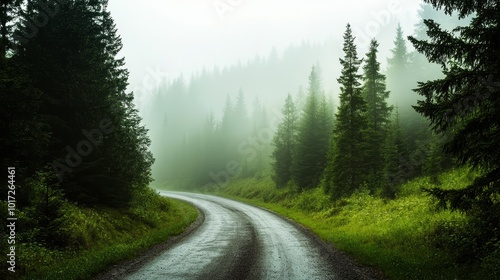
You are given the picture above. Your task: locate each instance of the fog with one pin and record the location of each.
(174, 37)
(192, 62)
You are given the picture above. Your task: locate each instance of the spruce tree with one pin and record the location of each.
(326, 122)
(241, 117)
(284, 144)
(300, 100)
(224, 142)
(399, 75)
(399, 62)
(402, 77)
(310, 155)
(346, 170)
(263, 148)
(227, 122)
(465, 102)
(377, 114)
(394, 153)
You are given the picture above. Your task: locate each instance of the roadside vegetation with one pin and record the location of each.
(405, 238)
(74, 146)
(92, 239)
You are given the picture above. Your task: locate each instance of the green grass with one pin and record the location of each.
(102, 237)
(405, 238)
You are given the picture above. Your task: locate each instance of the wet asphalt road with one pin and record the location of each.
(239, 241)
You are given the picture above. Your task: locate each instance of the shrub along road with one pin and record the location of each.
(239, 241)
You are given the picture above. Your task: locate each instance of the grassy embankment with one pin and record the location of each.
(102, 237)
(405, 238)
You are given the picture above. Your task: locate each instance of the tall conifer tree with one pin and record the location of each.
(346, 170)
(466, 102)
(310, 156)
(284, 144)
(377, 114)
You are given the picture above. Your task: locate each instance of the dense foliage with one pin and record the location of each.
(347, 166)
(313, 135)
(285, 144)
(68, 125)
(378, 114)
(465, 102)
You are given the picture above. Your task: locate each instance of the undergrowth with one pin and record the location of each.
(92, 239)
(406, 237)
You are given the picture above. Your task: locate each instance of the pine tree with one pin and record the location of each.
(284, 144)
(402, 75)
(241, 116)
(325, 117)
(432, 165)
(400, 58)
(83, 85)
(394, 152)
(263, 148)
(225, 144)
(465, 102)
(346, 170)
(399, 76)
(300, 100)
(227, 123)
(255, 160)
(377, 114)
(310, 155)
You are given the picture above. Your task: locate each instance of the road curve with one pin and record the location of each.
(239, 241)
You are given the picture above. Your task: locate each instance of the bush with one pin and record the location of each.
(147, 206)
(35, 256)
(456, 238)
(313, 200)
(43, 219)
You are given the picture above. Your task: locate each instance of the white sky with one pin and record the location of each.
(169, 37)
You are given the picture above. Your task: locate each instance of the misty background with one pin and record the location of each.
(185, 37)
(194, 64)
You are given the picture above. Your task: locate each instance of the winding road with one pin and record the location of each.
(239, 241)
